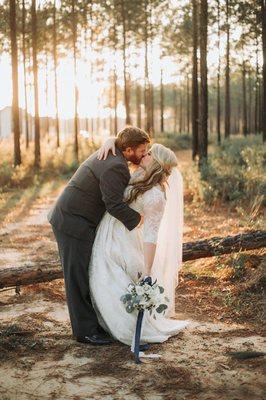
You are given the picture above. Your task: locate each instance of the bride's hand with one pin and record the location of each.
(141, 221)
(109, 145)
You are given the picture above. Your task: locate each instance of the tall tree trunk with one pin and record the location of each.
(15, 101)
(238, 116)
(146, 90)
(256, 88)
(91, 62)
(111, 101)
(227, 109)
(219, 77)
(245, 129)
(162, 102)
(46, 96)
(37, 150)
(175, 109)
(115, 81)
(25, 72)
(55, 75)
(138, 104)
(151, 89)
(181, 111)
(146, 79)
(250, 105)
(203, 131)
(151, 98)
(195, 90)
(86, 51)
(126, 88)
(260, 104)
(115, 101)
(263, 13)
(74, 44)
(188, 105)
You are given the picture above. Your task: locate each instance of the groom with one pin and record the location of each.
(97, 186)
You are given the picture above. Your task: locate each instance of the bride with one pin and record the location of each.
(153, 249)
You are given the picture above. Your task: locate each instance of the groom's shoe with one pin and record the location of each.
(95, 339)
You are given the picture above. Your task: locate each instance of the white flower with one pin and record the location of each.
(140, 290)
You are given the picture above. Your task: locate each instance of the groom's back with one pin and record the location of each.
(80, 206)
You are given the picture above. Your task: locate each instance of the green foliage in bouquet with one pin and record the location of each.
(145, 296)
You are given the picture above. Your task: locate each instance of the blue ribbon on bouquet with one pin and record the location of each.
(138, 327)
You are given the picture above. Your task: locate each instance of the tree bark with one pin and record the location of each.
(203, 128)
(146, 78)
(263, 13)
(227, 109)
(161, 102)
(55, 75)
(250, 102)
(218, 77)
(175, 108)
(74, 44)
(245, 129)
(47, 122)
(25, 72)
(37, 150)
(48, 271)
(15, 100)
(138, 104)
(115, 102)
(195, 88)
(256, 128)
(181, 111)
(188, 104)
(115, 82)
(126, 87)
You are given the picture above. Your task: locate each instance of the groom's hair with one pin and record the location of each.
(131, 136)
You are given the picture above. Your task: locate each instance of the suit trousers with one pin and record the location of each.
(75, 256)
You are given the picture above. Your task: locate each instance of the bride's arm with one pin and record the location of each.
(149, 253)
(154, 204)
(109, 145)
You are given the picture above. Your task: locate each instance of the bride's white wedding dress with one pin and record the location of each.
(117, 257)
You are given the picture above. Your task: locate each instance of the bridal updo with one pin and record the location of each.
(156, 173)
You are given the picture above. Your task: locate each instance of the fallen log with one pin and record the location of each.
(48, 271)
(224, 245)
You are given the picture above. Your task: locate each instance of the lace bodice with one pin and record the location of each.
(151, 205)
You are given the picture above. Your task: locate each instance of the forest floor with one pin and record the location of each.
(40, 360)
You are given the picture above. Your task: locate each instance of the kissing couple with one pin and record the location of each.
(111, 225)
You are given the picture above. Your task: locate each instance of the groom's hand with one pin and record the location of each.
(109, 145)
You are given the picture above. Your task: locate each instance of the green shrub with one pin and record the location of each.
(235, 172)
(175, 141)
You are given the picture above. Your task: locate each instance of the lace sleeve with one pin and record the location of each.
(153, 208)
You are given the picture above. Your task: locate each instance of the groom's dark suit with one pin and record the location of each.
(95, 187)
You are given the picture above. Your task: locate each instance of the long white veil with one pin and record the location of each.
(168, 256)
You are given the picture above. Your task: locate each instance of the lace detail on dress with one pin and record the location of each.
(153, 208)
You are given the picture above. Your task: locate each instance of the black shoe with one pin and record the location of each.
(95, 339)
(102, 332)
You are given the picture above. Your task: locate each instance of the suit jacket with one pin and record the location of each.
(95, 187)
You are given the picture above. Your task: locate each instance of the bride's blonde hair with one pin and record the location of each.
(157, 171)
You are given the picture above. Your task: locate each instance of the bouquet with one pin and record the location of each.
(141, 296)
(145, 295)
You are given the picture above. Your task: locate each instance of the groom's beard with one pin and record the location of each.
(135, 160)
